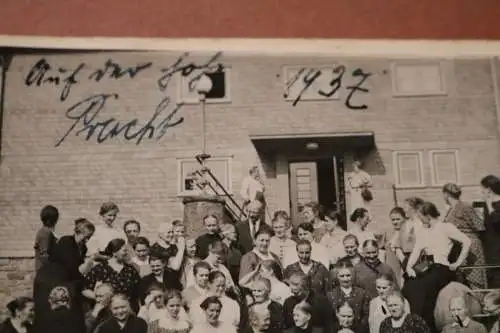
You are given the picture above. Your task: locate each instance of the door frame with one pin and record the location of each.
(335, 158)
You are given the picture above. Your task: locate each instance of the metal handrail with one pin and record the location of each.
(206, 171)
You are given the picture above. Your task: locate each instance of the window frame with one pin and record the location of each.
(396, 169)
(394, 81)
(434, 179)
(180, 180)
(318, 97)
(194, 101)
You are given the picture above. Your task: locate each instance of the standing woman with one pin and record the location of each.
(466, 220)
(399, 244)
(172, 321)
(106, 231)
(428, 268)
(358, 181)
(490, 187)
(253, 188)
(46, 239)
(311, 212)
(67, 267)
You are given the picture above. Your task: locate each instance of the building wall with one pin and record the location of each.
(79, 175)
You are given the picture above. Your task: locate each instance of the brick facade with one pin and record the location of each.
(79, 175)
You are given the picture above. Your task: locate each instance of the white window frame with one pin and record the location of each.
(180, 84)
(180, 181)
(317, 97)
(397, 93)
(432, 153)
(395, 166)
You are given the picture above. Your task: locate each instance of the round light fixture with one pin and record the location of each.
(312, 146)
(204, 84)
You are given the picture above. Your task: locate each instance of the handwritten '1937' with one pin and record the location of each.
(305, 78)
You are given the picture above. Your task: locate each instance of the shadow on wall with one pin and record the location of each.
(372, 162)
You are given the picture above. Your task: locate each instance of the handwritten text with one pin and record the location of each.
(303, 81)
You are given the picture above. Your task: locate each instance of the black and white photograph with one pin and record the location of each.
(185, 191)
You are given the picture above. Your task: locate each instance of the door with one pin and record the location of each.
(303, 187)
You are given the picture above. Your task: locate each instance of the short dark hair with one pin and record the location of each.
(18, 304)
(491, 183)
(137, 223)
(141, 240)
(108, 207)
(429, 209)
(49, 215)
(358, 213)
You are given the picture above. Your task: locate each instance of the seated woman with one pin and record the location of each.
(123, 319)
(22, 314)
(100, 312)
(261, 289)
(116, 271)
(281, 241)
(171, 249)
(302, 313)
(154, 306)
(212, 308)
(333, 237)
(230, 314)
(279, 291)
(401, 321)
(172, 321)
(346, 291)
(200, 287)
(319, 253)
(61, 319)
(346, 320)
(260, 253)
(378, 306)
(462, 322)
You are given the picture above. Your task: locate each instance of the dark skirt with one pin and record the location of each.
(48, 277)
(422, 291)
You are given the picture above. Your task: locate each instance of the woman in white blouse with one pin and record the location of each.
(433, 245)
(319, 252)
(230, 313)
(212, 308)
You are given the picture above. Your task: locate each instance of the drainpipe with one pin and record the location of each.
(493, 64)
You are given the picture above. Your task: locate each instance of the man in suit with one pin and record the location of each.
(248, 229)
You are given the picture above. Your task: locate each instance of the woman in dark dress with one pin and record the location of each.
(401, 321)
(117, 272)
(302, 313)
(123, 319)
(61, 318)
(66, 267)
(22, 313)
(45, 240)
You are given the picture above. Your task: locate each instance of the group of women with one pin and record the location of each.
(315, 277)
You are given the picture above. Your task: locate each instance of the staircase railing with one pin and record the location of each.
(208, 183)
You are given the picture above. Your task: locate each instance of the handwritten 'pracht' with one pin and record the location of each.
(88, 114)
(304, 78)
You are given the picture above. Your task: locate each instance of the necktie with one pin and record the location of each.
(384, 310)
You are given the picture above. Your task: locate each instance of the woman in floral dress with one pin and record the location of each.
(466, 220)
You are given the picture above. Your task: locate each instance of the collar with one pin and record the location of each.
(309, 266)
(465, 323)
(267, 303)
(346, 291)
(396, 323)
(261, 256)
(199, 289)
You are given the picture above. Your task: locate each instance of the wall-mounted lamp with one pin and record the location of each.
(312, 146)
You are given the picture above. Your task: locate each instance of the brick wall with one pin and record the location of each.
(16, 279)
(79, 175)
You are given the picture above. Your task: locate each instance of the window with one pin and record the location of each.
(319, 77)
(408, 169)
(220, 92)
(444, 167)
(220, 167)
(418, 79)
